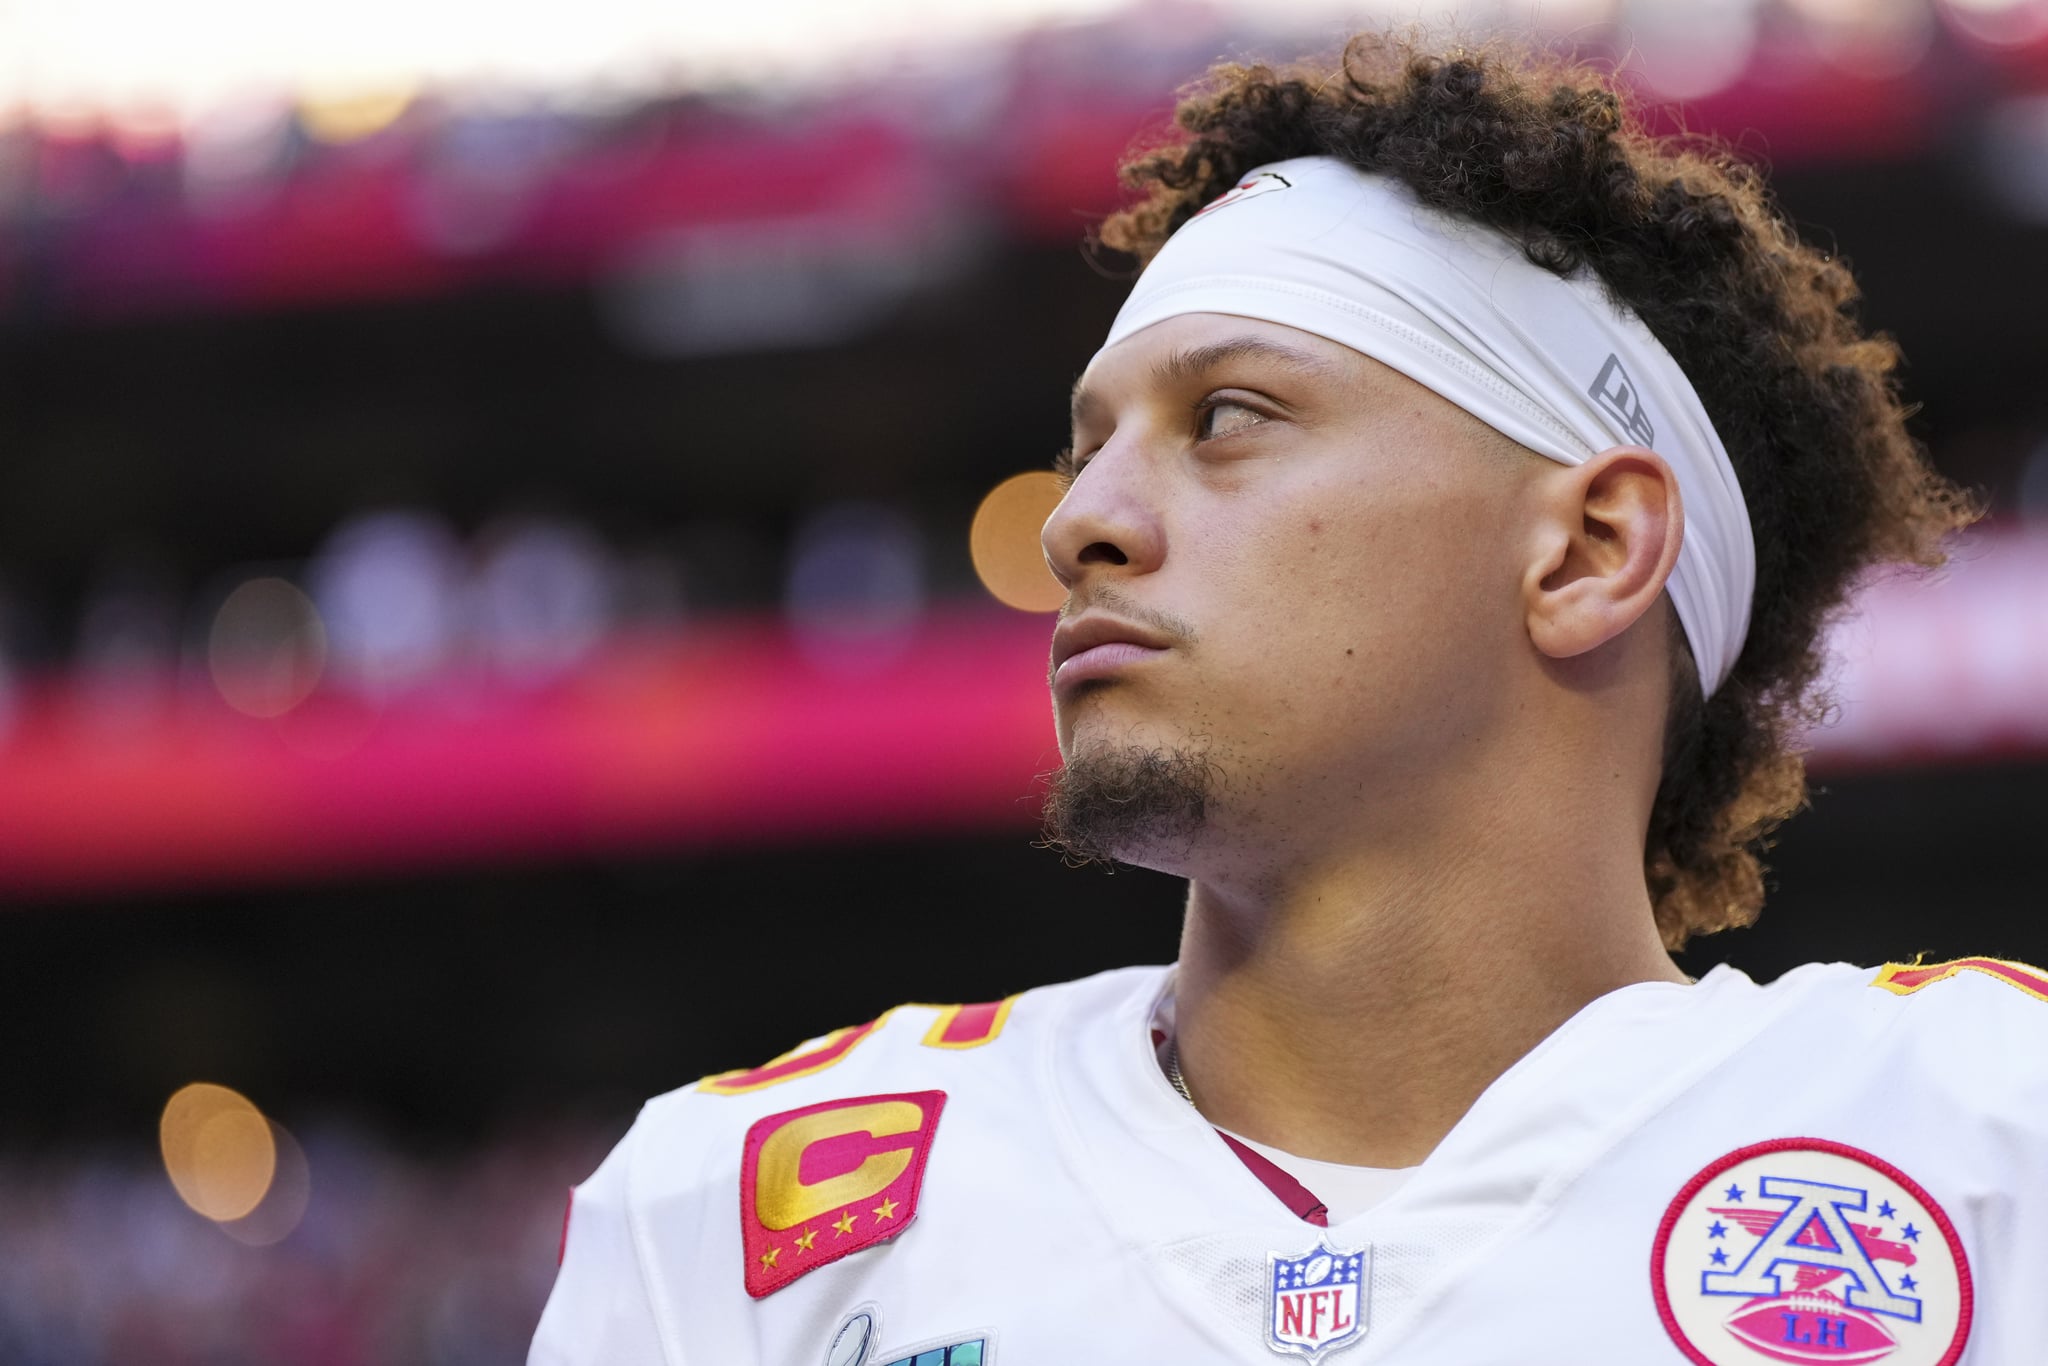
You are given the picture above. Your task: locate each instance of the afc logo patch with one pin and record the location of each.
(830, 1179)
(1317, 1302)
(1803, 1250)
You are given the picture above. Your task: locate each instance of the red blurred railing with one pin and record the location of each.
(729, 736)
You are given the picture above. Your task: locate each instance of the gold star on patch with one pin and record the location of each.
(844, 1224)
(803, 1244)
(768, 1257)
(886, 1210)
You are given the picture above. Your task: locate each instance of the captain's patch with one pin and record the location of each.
(1803, 1250)
(830, 1179)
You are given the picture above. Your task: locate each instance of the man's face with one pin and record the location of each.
(1293, 579)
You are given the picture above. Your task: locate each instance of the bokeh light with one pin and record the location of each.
(542, 595)
(1999, 23)
(234, 152)
(2013, 158)
(267, 648)
(352, 117)
(389, 587)
(284, 1204)
(218, 1150)
(1004, 542)
(855, 589)
(1877, 39)
(1687, 52)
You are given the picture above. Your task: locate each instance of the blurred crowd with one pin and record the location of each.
(397, 597)
(400, 1259)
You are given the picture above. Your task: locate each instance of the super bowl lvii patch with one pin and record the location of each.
(854, 1345)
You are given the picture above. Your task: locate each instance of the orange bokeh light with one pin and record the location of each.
(218, 1150)
(1004, 542)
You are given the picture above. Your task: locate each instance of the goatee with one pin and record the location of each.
(1134, 805)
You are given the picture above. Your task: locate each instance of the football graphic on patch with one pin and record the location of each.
(1812, 1328)
(1811, 1252)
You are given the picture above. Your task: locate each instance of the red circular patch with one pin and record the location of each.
(1803, 1250)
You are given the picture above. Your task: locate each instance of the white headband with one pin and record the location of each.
(1552, 363)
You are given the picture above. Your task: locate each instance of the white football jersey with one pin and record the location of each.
(1846, 1166)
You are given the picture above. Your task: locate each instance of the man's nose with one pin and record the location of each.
(1108, 522)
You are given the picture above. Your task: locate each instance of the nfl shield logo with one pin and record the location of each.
(1318, 1301)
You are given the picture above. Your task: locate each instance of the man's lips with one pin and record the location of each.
(1087, 647)
(1100, 661)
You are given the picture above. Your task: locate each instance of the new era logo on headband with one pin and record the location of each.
(1252, 186)
(1616, 392)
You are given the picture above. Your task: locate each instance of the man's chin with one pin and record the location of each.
(1096, 725)
(1133, 803)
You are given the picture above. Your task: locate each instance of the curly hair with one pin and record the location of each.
(1550, 152)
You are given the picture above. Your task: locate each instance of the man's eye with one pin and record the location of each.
(1223, 417)
(1067, 466)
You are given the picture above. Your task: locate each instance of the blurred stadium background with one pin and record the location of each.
(488, 623)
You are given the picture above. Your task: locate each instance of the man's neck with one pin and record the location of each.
(1354, 1012)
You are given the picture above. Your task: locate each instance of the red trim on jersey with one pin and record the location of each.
(797, 1062)
(969, 1026)
(1301, 1202)
(1906, 978)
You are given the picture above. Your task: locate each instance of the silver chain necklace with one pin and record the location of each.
(1173, 1070)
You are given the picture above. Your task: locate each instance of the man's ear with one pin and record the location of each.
(1607, 539)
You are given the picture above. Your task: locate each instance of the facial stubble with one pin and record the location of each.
(1133, 804)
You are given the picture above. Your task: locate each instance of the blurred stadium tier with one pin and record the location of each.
(197, 201)
(489, 629)
(734, 735)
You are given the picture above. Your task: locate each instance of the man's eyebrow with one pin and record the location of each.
(1192, 361)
